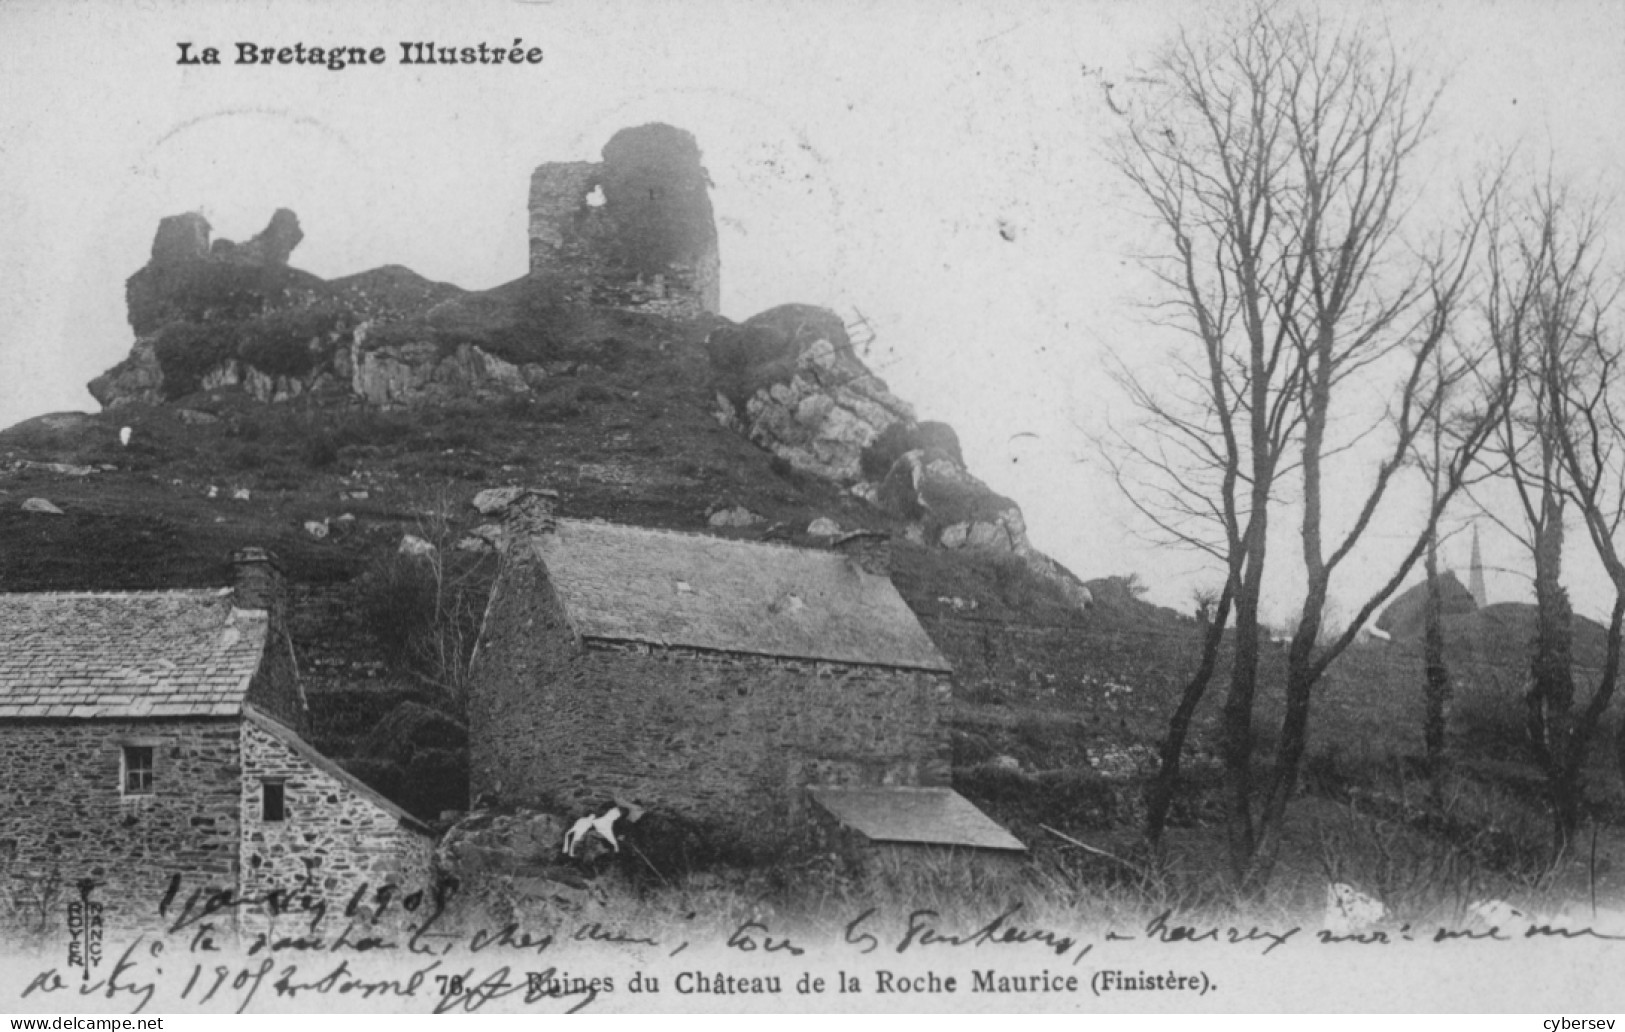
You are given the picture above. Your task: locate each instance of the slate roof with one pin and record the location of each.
(923, 816)
(127, 654)
(662, 587)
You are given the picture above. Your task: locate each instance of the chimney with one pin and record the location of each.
(256, 579)
(869, 550)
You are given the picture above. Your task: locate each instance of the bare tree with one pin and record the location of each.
(1273, 163)
(1435, 670)
(429, 607)
(1548, 311)
(1213, 612)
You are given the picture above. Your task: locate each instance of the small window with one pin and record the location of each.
(272, 800)
(138, 770)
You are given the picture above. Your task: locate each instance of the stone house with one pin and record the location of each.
(148, 734)
(713, 680)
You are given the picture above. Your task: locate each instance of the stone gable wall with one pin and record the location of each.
(726, 740)
(64, 817)
(275, 686)
(259, 584)
(332, 841)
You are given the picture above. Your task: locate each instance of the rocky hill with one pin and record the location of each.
(370, 430)
(351, 425)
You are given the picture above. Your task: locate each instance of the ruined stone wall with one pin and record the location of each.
(563, 225)
(725, 740)
(64, 815)
(332, 839)
(633, 232)
(1020, 659)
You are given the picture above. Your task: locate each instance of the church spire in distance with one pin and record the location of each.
(1475, 578)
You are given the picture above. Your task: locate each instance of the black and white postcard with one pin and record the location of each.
(541, 506)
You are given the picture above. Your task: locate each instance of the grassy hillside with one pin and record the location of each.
(1057, 713)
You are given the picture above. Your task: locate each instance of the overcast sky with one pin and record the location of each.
(935, 166)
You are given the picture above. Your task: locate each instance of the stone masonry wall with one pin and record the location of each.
(259, 585)
(333, 839)
(634, 231)
(560, 216)
(275, 687)
(726, 740)
(64, 816)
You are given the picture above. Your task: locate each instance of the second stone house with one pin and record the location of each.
(744, 686)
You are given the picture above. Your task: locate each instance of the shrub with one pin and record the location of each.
(320, 451)
(186, 352)
(557, 406)
(1018, 586)
(371, 426)
(426, 610)
(516, 407)
(282, 477)
(1492, 720)
(289, 342)
(247, 429)
(249, 456)
(213, 290)
(438, 465)
(611, 352)
(1077, 797)
(593, 393)
(898, 438)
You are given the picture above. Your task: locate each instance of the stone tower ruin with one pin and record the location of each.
(633, 231)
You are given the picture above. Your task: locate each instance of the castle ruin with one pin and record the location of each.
(633, 231)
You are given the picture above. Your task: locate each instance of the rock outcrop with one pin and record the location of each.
(236, 316)
(188, 277)
(790, 380)
(410, 373)
(511, 862)
(211, 313)
(632, 233)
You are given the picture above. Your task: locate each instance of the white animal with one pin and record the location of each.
(1498, 913)
(604, 826)
(1349, 911)
(124, 436)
